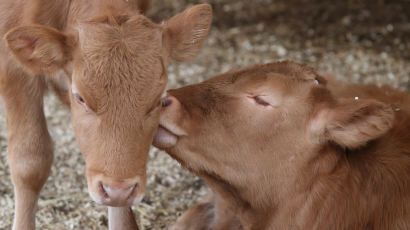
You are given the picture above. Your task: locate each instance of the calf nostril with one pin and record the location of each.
(102, 190)
(167, 102)
(133, 191)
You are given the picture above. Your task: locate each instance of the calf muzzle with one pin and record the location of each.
(118, 195)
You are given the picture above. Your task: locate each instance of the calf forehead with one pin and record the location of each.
(119, 40)
(286, 69)
(284, 77)
(120, 60)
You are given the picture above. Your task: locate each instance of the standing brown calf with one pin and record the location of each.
(281, 149)
(110, 61)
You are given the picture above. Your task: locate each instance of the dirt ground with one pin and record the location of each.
(360, 41)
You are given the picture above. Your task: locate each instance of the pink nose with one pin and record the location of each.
(118, 196)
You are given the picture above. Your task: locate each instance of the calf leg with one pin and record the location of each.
(198, 217)
(30, 149)
(210, 214)
(121, 218)
(225, 218)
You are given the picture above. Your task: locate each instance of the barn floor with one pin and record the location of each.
(360, 41)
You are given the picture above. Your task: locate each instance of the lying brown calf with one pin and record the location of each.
(282, 150)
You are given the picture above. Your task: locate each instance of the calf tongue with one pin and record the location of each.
(164, 138)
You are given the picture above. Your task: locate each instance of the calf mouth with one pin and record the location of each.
(164, 137)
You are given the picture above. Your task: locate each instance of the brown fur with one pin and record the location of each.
(308, 156)
(113, 57)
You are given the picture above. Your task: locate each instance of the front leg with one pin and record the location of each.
(198, 217)
(30, 149)
(121, 218)
(225, 218)
(210, 214)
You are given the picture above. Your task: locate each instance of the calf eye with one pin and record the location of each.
(260, 101)
(164, 99)
(79, 98)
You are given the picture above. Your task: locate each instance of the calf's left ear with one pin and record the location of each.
(40, 49)
(185, 32)
(353, 123)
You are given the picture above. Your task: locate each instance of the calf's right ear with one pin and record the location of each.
(40, 49)
(184, 33)
(353, 123)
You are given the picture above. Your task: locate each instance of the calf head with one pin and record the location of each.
(116, 66)
(258, 126)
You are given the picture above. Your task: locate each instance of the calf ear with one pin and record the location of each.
(40, 49)
(185, 32)
(352, 123)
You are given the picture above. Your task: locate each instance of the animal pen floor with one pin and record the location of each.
(360, 41)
